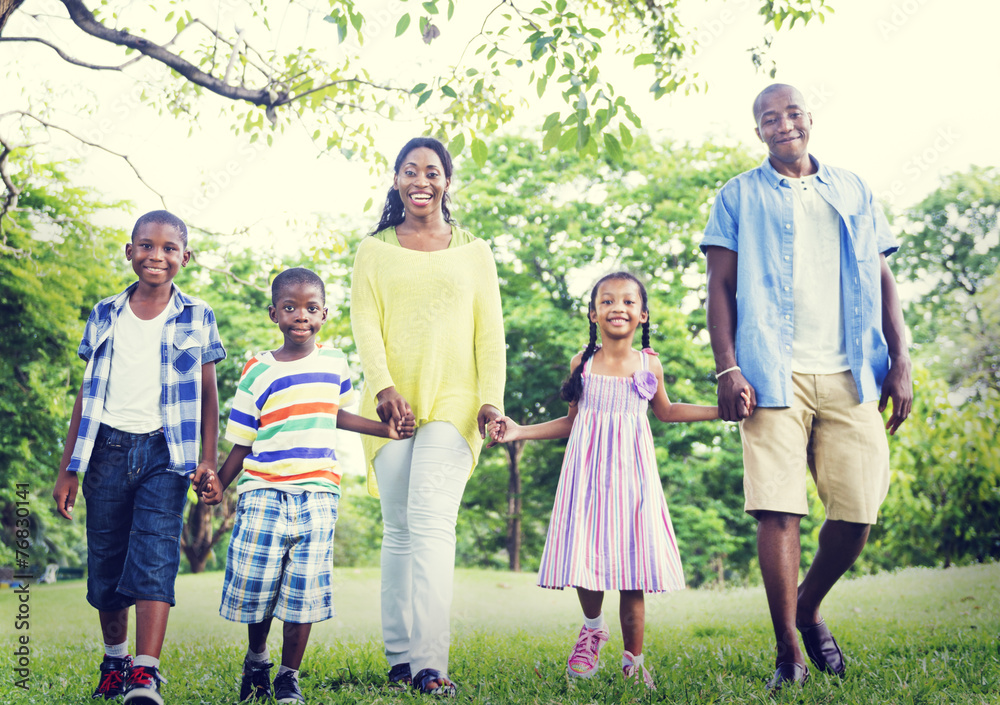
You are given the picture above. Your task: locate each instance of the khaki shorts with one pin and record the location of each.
(842, 442)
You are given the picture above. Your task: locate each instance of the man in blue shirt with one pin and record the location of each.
(803, 309)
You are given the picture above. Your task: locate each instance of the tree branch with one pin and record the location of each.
(69, 59)
(101, 147)
(85, 20)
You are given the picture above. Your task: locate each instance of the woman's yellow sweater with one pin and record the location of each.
(429, 324)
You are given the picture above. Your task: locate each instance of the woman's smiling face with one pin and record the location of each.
(421, 182)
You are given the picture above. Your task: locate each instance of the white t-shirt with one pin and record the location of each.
(818, 346)
(132, 402)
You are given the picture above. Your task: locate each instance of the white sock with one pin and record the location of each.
(116, 650)
(145, 660)
(595, 623)
(253, 657)
(628, 659)
(286, 669)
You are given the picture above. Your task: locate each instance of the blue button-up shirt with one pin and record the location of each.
(190, 339)
(752, 215)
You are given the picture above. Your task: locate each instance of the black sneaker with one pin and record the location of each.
(286, 688)
(256, 683)
(114, 671)
(143, 686)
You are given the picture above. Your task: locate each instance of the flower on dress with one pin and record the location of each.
(645, 384)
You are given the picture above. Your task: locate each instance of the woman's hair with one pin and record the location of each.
(572, 388)
(392, 211)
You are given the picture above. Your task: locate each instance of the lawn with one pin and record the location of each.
(915, 636)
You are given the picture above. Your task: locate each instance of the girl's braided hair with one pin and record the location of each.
(572, 388)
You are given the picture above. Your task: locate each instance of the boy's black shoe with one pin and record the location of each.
(143, 686)
(256, 683)
(286, 688)
(114, 671)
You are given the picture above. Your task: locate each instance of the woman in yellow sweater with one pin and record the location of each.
(425, 309)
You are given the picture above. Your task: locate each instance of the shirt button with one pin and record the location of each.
(787, 317)
(787, 258)
(788, 347)
(788, 227)
(786, 288)
(857, 342)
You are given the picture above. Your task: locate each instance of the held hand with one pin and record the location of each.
(392, 405)
(64, 493)
(505, 430)
(733, 390)
(487, 414)
(898, 386)
(496, 429)
(403, 429)
(207, 484)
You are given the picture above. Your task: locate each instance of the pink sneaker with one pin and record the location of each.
(586, 654)
(637, 672)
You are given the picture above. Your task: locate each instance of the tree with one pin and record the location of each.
(54, 265)
(943, 502)
(557, 220)
(951, 248)
(323, 80)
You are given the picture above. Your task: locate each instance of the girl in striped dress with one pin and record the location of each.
(610, 526)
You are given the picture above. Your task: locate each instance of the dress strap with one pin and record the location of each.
(645, 360)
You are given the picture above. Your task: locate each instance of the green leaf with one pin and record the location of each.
(449, 91)
(403, 23)
(419, 88)
(643, 59)
(551, 138)
(431, 7)
(424, 97)
(368, 204)
(550, 121)
(613, 146)
(479, 152)
(457, 145)
(567, 140)
(560, 6)
(540, 86)
(341, 29)
(357, 19)
(626, 136)
(451, 8)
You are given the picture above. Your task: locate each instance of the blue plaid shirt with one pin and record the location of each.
(190, 340)
(753, 215)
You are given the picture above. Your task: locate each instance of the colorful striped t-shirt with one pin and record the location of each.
(287, 413)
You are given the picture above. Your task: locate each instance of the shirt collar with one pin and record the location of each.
(178, 299)
(775, 179)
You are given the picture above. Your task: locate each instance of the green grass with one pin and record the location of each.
(915, 636)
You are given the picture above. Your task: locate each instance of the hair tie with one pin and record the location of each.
(650, 351)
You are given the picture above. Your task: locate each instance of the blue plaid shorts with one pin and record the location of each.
(280, 558)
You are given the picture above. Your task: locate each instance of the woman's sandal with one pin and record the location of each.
(399, 675)
(422, 682)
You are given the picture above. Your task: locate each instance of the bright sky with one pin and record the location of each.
(900, 92)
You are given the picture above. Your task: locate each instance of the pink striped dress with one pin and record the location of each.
(610, 526)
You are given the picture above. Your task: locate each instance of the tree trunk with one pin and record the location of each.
(514, 452)
(7, 8)
(199, 537)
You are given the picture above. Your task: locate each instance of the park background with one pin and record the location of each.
(565, 174)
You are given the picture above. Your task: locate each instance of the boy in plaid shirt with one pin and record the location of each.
(148, 390)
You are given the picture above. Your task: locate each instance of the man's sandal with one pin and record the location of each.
(399, 675)
(426, 677)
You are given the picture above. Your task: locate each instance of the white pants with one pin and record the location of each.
(420, 482)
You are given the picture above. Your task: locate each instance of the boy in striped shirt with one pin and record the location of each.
(283, 425)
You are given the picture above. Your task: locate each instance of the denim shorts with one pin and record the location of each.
(135, 509)
(280, 558)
